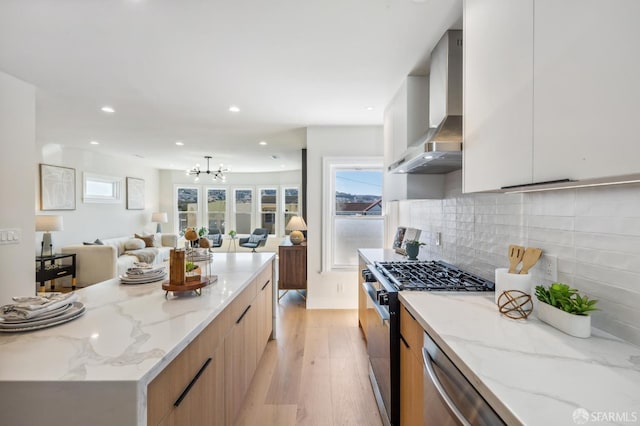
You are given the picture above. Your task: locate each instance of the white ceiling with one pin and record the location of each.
(172, 68)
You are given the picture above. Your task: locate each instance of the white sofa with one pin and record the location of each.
(96, 263)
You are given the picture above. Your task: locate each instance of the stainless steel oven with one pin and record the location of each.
(383, 344)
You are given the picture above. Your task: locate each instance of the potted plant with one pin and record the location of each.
(192, 271)
(202, 232)
(562, 307)
(233, 234)
(413, 247)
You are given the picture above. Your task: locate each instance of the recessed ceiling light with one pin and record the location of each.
(234, 108)
(180, 143)
(108, 109)
(282, 166)
(369, 108)
(94, 143)
(263, 143)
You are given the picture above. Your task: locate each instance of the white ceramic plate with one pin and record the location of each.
(76, 310)
(145, 280)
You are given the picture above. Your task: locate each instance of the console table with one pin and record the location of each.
(48, 269)
(292, 268)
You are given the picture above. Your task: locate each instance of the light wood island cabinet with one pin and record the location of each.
(411, 370)
(207, 382)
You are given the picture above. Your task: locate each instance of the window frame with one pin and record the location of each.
(259, 211)
(116, 186)
(177, 212)
(329, 166)
(283, 204)
(253, 208)
(205, 213)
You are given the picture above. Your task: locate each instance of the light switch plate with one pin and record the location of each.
(10, 236)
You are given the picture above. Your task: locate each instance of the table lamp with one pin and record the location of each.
(159, 217)
(46, 224)
(295, 225)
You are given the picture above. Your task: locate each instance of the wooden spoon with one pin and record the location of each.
(531, 256)
(515, 256)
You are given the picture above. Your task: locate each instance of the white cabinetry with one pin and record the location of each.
(406, 118)
(551, 91)
(498, 93)
(587, 89)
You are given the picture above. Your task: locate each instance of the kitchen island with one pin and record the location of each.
(97, 369)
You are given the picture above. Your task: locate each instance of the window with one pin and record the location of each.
(101, 189)
(268, 209)
(353, 210)
(243, 210)
(188, 207)
(291, 205)
(217, 209)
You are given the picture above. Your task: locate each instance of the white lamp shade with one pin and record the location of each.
(48, 223)
(296, 223)
(160, 217)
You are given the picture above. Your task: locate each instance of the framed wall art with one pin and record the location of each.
(57, 188)
(135, 194)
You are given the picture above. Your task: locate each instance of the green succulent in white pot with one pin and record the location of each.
(564, 308)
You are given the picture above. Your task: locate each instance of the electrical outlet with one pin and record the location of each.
(548, 265)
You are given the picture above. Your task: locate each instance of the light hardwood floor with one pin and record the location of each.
(314, 373)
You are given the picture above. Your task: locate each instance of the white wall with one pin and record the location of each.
(339, 141)
(17, 138)
(90, 220)
(594, 232)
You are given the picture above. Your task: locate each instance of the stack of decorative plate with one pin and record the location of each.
(36, 312)
(143, 275)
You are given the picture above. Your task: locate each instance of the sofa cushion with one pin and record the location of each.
(149, 240)
(134, 244)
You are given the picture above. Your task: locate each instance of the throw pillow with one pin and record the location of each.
(148, 239)
(134, 244)
(97, 242)
(254, 238)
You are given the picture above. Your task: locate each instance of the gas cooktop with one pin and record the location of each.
(432, 276)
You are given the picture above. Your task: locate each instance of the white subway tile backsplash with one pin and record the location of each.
(594, 232)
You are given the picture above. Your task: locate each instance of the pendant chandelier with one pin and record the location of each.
(215, 174)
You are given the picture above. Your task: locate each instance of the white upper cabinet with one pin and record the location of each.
(587, 89)
(498, 93)
(551, 91)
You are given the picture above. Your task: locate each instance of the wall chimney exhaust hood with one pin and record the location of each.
(439, 150)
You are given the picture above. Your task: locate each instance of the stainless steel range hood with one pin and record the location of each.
(439, 150)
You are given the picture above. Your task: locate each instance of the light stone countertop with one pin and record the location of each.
(127, 335)
(530, 372)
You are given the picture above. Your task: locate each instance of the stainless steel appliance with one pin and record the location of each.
(383, 280)
(449, 398)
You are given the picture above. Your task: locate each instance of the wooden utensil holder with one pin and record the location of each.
(176, 267)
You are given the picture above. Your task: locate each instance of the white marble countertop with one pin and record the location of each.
(529, 371)
(128, 333)
(539, 374)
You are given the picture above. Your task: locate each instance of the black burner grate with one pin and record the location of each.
(432, 276)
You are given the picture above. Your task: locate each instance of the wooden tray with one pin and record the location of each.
(194, 286)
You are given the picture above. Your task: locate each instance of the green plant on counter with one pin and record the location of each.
(202, 231)
(232, 233)
(190, 266)
(415, 243)
(565, 298)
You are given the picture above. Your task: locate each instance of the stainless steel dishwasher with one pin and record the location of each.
(449, 397)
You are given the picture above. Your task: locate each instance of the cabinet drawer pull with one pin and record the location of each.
(191, 383)
(405, 342)
(265, 285)
(61, 273)
(243, 314)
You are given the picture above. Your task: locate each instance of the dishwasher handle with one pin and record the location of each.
(428, 365)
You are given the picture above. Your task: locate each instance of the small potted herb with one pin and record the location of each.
(233, 234)
(413, 247)
(192, 271)
(564, 308)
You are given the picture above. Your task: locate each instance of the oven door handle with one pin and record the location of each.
(428, 365)
(384, 316)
